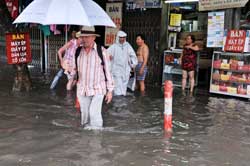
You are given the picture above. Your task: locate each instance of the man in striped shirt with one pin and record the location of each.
(93, 84)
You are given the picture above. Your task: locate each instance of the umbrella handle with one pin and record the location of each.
(66, 33)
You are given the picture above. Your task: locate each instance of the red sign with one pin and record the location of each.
(235, 41)
(18, 48)
(12, 6)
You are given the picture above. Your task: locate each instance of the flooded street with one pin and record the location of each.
(42, 128)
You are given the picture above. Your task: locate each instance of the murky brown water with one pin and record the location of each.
(41, 128)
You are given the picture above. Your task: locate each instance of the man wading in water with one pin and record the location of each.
(142, 56)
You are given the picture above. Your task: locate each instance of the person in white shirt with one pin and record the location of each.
(123, 59)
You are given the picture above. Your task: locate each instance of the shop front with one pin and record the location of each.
(211, 22)
(185, 19)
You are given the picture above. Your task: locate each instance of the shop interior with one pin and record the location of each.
(223, 67)
(185, 19)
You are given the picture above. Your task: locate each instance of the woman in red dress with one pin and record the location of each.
(188, 62)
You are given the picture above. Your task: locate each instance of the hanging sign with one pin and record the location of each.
(236, 41)
(18, 48)
(205, 5)
(114, 10)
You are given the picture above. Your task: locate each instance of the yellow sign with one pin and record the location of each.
(220, 4)
(175, 19)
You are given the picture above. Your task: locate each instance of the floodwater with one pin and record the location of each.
(41, 128)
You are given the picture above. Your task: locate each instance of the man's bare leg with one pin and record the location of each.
(142, 86)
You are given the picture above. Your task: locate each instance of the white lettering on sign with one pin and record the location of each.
(14, 49)
(18, 49)
(22, 54)
(15, 43)
(23, 48)
(23, 42)
(241, 41)
(22, 59)
(237, 33)
(14, 54)
(235, 48)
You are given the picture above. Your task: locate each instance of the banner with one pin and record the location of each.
(215, 29)
(18, 48)
(114, 10)
(220, 4)
(235, 41)
(12, 6)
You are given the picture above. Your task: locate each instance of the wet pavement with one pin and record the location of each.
(42, 128)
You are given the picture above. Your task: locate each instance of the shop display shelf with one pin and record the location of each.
(230, 77)
(172, 69)
(226, 93)
(233, 82)
(235, 71)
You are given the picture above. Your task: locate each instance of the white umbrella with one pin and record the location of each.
(64, 12)
(71, 12)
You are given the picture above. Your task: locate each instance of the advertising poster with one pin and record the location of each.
(18, 48)
(215, 32)
(175, 19)
(235, 41)
(114, 10)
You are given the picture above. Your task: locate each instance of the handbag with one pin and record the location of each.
(132, 82)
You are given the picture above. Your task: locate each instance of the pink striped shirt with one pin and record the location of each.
(69, 56)
(91, 76)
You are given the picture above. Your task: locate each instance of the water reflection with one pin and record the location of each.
(42, 128)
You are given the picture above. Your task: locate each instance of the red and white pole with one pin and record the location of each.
(77, 104)
(168, 93)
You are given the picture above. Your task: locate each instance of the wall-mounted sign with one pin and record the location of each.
(152, 3)
(237, 41)
(114, 10)
(215, 29)
(134, 4)
(140, 4)
(175, 19)
(18, 48)
(220, 4)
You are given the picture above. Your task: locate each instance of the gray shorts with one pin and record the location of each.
(137, 69)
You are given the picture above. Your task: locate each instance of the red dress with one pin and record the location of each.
(188, 59)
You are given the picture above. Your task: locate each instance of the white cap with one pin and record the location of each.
(121, 34)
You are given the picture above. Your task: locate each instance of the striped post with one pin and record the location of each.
(77, 105)
(168, 93)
